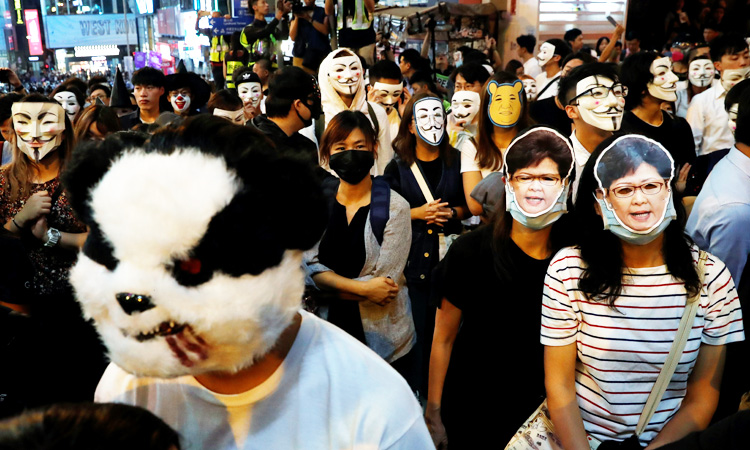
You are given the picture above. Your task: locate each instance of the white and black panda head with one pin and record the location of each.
(192, 263)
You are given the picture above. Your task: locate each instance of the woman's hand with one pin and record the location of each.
(37, 205)
(379, 290)
(436, 427)
(682, 177)
(39, 229)
(438, 213)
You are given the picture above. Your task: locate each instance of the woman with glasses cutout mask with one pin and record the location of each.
(612, 305)
(509, 258)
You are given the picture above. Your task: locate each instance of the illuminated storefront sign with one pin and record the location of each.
(33, 32)
(18, 8)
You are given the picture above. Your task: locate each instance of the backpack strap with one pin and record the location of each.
(380, 207)
(374, 118)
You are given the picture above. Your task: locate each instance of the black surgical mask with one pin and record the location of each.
(352, 166)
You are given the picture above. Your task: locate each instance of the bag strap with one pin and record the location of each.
(374, 118)
(421, 182)
(380, 201)
(546, 86)
(675, 353)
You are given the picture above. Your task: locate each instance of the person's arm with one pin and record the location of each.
(394, 251)
(701, 399)
(610, 47)
(293, 27)
(560, 383)
(14, 81)
(447, 322)
(370, 6)
(321, 27)
(68, 241)
(330, 8)
(425, 53)
(470, 181)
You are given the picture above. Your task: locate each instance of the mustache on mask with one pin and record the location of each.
(611, 110)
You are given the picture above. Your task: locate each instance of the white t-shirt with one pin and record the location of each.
(621, 352)
(469, 161)
(709, 121)
(532, 67)
(331, 392)
(542, 81)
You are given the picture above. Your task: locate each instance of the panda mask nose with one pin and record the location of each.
(134, 303)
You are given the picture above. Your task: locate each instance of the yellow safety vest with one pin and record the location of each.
(218, 49)
(360, 21)
(231, 67)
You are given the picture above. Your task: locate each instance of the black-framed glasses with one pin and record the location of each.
(651, 188)
(601, 92)
(546, 180)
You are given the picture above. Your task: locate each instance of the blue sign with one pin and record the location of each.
(222, 26)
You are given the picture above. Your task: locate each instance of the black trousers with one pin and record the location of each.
(731, 433)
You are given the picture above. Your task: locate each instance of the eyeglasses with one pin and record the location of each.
(651, 188)
(601, 92)
(546, 180)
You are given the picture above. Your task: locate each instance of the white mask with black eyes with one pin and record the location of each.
(69, 102)
(546, 53)
(730, 77)
(159, 309)
(597, 103)
(388, 95)
(250, 93)
(430, 120)
(529, 85)
(345, 74)
(39, 127)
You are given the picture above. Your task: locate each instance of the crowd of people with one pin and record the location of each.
(565, 229)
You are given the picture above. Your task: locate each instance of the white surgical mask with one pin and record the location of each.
(530, 87)
(701, 72)
(250, 93)
(430, 120)
(663, 86)
(732, 113)
(465, 106)
(730, 77)
(388, 95)
(236, 117)
(69, 102)
(345, 75)
(606, 113)
(180, 103)
(546, 52)
(39, 127)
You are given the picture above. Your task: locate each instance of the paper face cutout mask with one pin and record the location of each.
(506, 103)
(529, 86)
(180, 102)
(430, 120)
(730, 77)
(236, 117)
(465, 106)
(345, 74)
(69, 102)
(701, 72)
(732, 113)
(388, 95)
(546, 52)
(250, 93)
(538, 194)
(636, 202)
(39, 127)
(603, 113)
(664, 84)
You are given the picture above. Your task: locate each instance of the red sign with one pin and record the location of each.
(33, 32)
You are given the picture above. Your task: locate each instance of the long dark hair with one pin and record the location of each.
(405, 144)
(340, 127)
(489, 155)
(635, 73)
(601, 250)
(528, 151)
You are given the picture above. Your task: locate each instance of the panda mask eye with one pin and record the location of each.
(191, 271)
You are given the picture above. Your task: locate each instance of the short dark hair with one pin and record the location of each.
(6, 102)
(77, 83)
(224, 99)
(632, 34)
(627, 155)
(98, 79)
(513, 66)
(423, 78)
(572, 34)
(411, 56)
(384, 69)
(471, 72)
(527, 41)
(475, 56)
(289, 84)
(341, 126)
(561, 48)
(567, 89)
(531, 148)
(636, 74)
(101, 87)
(583, 55)
(728, 44)
(742, 133)
(148, 76)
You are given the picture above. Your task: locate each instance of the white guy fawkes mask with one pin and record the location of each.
(236, 117)
(465, 106)
(39, 127)
(388, 94)
(69, 102)
(530, 87)
(250, 92)
(663, 86)
(180, 102)
(603, 113)
(732, 121)
(430, 120)
(546, 52)
(701, 72)
(730, 77)
(346, 73)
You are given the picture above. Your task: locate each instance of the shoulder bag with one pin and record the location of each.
(444, 241)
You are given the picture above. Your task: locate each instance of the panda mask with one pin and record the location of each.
(184, 270)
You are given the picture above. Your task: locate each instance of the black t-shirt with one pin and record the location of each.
(674, 134)
(432, 170)
(497, 358)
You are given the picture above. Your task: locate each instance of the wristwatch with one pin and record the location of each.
(53, 237)
(454, 213)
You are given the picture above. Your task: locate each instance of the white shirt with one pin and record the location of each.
(708, 120)
(469, 161)
(331, 392)
(532, 67)
(542, 81)
(581, 156)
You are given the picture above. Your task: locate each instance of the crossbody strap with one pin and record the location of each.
(421, 182)
(675, 353)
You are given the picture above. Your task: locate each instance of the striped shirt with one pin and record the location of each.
(620, 352)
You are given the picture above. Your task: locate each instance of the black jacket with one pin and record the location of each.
(296, 145)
